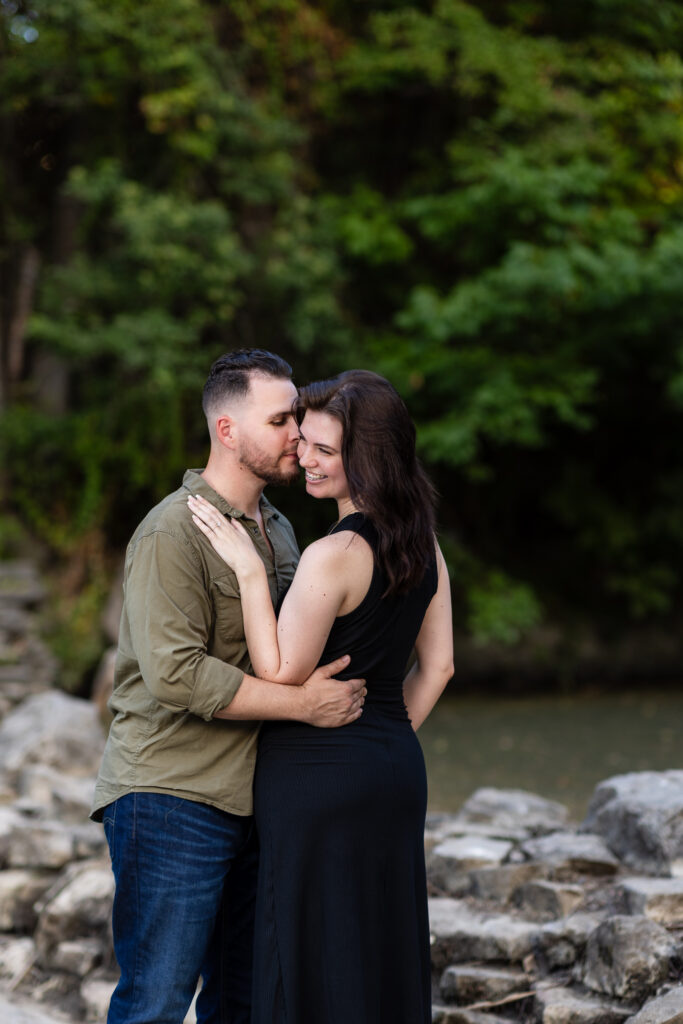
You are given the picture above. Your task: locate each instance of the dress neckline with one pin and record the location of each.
(349, 515)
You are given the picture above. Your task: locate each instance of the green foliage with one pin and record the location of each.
(482, 200)
(501, 610)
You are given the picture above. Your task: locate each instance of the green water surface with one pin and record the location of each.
(557, 746)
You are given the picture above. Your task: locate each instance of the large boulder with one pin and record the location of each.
(628, 957)
(52, 729)
(640, 817)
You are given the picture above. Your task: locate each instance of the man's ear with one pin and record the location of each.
(226, 431)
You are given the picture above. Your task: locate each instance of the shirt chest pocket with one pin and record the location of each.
(227, 604)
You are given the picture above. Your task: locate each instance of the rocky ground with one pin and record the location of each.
(533, 918)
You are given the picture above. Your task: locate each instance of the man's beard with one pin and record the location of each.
(266, 468)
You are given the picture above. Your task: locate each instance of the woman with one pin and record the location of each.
(341, 918)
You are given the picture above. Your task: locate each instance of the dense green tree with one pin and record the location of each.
(482, 200)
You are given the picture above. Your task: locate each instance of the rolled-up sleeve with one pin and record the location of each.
(170, 617)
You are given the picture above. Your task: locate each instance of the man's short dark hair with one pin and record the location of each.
(230, 375)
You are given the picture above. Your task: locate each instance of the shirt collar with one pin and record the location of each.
(194, 483)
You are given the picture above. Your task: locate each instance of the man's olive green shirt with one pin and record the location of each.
(182, 656)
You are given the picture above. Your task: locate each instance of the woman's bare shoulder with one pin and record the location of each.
(337, 549)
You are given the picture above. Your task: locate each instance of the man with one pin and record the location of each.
(174, 789)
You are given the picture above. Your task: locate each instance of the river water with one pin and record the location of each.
(557, 746)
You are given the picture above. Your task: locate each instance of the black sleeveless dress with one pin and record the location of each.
(342, 934)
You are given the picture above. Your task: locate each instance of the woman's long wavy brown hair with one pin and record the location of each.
(386, 481)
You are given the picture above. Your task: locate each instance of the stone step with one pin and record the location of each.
(469, 983)
(660, 899)
(461, 933)
(558, 1005)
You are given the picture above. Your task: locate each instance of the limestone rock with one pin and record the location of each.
(16, 1011)
(546, 901)
(103, 684)
(461, 1015)
(19, 890)
(17, 956)
(10, 821)
(660, 899)
(77, 956)
(561, 943)
(55, 729)
(449, 862)
(628, 957)
(664, 1009)
(41, 844)
(640, 816)
(512, 808)
(78, 906)
(583, 853)
(58, 793)
(460, 933)
(557, 1005)
(499, 883)
(96, 993)
(466, 983)
(445, 826)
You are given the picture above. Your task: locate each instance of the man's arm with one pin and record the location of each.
(321, 700)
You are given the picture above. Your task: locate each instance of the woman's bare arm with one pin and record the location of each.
(433, 668)
(286, 650)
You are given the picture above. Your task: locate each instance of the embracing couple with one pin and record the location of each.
(314, 909)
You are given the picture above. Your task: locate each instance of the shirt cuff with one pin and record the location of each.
(215, 686)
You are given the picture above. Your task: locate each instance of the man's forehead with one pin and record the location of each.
(270, 395)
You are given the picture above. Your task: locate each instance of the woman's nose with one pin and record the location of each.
(302, 453)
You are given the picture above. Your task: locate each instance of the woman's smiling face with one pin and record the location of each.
(320, 456)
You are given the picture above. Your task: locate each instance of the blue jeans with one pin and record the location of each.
(184, 907)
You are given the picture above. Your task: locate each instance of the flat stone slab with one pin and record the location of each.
(461, 1015)
(21, 1012)
(459, 933)
(628, 957)
(499, 883)
(449, 862)
(640, 817)
(660, 899)
(467, 983)
(580, 853)
(513, 808)
(445, 826)
(666, 1009)
(557, 1005)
